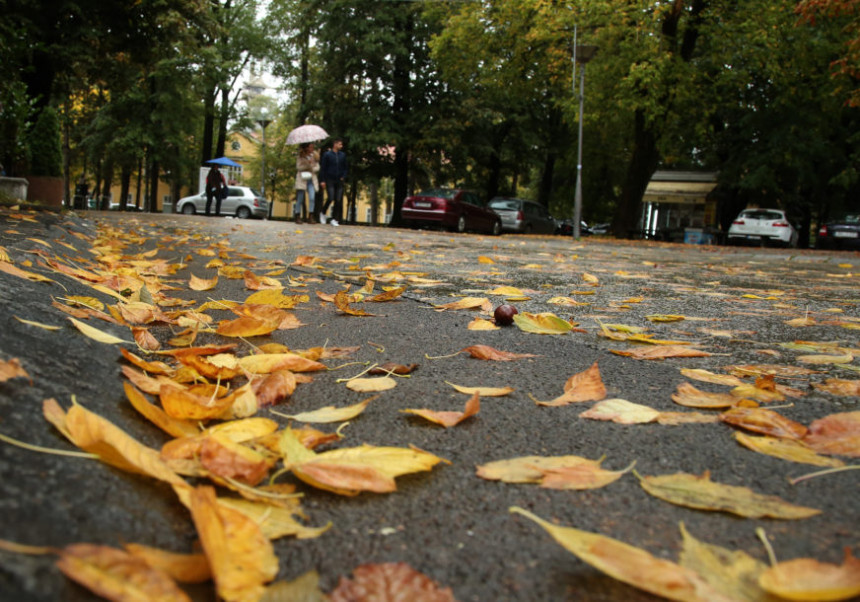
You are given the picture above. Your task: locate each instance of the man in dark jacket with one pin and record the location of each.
(333, 171)
(214, 188)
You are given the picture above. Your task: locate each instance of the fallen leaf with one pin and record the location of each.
(202, 284)
(274, 387)
(485, 352)
(449, 419)
(689, 396)
(838, 386)
(96, 334)
(554, 472)
(836, 434)
(629, 564)
(392, 368)
(481, 303)
(665, 318)
(12, 369)
(225, 458)
(329, 413)
(660, 353)
(267, 363)
(750, 391)
(766, 422)
(808, 579)
(483, 391)
(389, 582)
(341, 301)
(482, 324)
(185, 568)
(371, 385)
(153, 413)
(305, 588)
(700, 492)
(117, 575)
(195, 403)
(241, 557)
(826, 359)
(583, 386)
(785, 449)
(37, 324)
(388, 295)
(544, 323)
(622, 412)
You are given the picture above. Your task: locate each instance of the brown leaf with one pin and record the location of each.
(836, 434)
(838, 386)
(117, 575)
(274, 388)
(392, 368)
(145, 339)
(689, 396)
(151, 367)
(449, 419)
(341, 301)
(12, 369)
(223, 457)
(185, 568)
(388, 295)
(660, 353)
(485, 352)
(583, 386)
(766, 422)
(389, 582)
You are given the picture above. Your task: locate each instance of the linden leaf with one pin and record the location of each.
(329, 413)
(483, 391)
(836, 434)
(583, 386)
(700, 492)
(629, 564)
(389, 581)
(785, 449)
(117, 575)
(622, 412)
(485, 352)
(689, 396)
(96, 334)
(449, 419)
(544, 323)
(241, 557)
(808, 579)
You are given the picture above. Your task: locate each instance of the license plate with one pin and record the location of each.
(845, 234)
(423, 205)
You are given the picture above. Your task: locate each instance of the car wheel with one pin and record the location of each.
(461, 224)
(243, 212)
(497, 228)
(188, 209)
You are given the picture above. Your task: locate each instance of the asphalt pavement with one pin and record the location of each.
(740, 305)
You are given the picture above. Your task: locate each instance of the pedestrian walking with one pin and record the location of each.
(334, 169)
(307, 183)
(216, 186)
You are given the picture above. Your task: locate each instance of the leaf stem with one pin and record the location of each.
(441, 357)
(822, 473)
(46, 450)
(769, 548)
(368, 369)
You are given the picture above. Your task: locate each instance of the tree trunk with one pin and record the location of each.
(642, 165)
(402, 104)
(545, 189)
(153, 187)
(208, 127)
(222, 123)
(124, 185)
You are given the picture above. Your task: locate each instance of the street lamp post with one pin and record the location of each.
(581, 54)
(264, 121)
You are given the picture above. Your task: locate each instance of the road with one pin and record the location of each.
(742, 306)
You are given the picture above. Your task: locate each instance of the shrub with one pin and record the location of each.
(46, 152)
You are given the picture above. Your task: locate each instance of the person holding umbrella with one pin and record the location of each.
(307, 166)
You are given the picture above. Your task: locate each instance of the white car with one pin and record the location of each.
(241, 201)
(762, 226)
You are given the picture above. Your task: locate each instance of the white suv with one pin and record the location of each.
(761, 226)
(241, 201)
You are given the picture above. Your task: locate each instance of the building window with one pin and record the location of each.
(235, 145)
(166, 199)
(367, 215)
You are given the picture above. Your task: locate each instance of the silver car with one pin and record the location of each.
(241, 201)
(519, 215)
(762, 226)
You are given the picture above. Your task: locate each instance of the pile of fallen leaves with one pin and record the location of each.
(223, 461)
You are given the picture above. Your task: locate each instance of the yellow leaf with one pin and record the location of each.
(508, 291)
(202, 284)
(36, 324)
(91, 302)
(482, 324)
(96, 334)
(660, 353)
(371, 385)
(485, 259)
(622, 412)
(808, 579)
(449, 418)
(554, 472)
(700, 492)
(543, 323)
(785, 449)
(483, 391)
(583, 386)
(689, 396)
(481, 303)
(266, 363)
(665, 318)
(589, 278)
(12, 369)
(826, 359)
(241, 557)
(629, 564)
(329, 413)
(153, 413)
(709, 377)
(117, 575)
(185, 568)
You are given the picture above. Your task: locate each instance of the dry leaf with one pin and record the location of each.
(836, 434)
(483, 391)
(700, 492)
(202, 284)
(96, 334)
(153, 413)
(199, 402)
(371, 385)
(391, 581)
(305, 588)
(481, 303)
(117, 575)
(838, 386)
(12, 369)
(582, 386)
(785, 449)
(388, 295)
(266, 363)
(449, 419)
(808, 579)
(330, 413)
(482, 324)
(544, 323)
(392, 368)
(689, 396)
(631, 565)
(766, 422)
(274, 387)
(185, 568)
(555, 472)
(826, 359)
(240, 556)
(622, 412)
(660, 353)
(341, 301)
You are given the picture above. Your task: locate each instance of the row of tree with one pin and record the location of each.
(477, 93)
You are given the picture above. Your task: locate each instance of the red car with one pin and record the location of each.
(450, 208)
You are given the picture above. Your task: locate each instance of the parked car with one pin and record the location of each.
(565, 227)
(128, 207)
(519, 215)
(241, 201)
(842, 232)
(601, 229)
(451, 208)
(762, 226)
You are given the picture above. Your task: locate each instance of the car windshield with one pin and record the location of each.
(255, 193)
(761, 214)
(509, 204)
(442, 193)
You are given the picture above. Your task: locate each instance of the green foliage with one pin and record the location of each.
(46, 152)
(15, 111)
